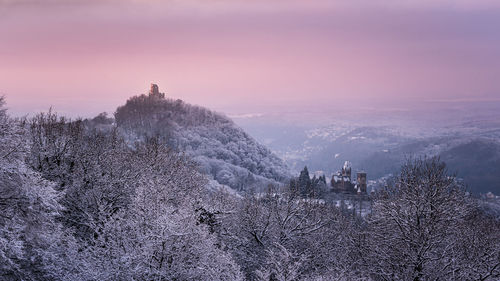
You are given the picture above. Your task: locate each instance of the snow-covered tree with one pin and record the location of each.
(413, 227)
(158, 237)
(28, 208)
(476, 253)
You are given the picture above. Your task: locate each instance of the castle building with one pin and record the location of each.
(342, 181)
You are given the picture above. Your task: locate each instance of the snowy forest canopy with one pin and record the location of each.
(219, 147)
(79, 202)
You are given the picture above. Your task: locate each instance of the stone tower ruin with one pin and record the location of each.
(155, 92)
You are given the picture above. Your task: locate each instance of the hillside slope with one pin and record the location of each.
(220, 148)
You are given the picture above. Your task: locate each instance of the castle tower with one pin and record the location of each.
(155, 91)
(361, 181)
(346, 170)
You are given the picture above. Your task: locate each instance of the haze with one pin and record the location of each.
(85, 57)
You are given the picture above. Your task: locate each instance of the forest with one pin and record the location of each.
(88, 200)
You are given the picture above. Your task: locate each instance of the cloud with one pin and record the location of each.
(259, 51)
(66, 3)
(246, 115)
(52, 2)
(223, 6)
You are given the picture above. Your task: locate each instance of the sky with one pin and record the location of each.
(83, 57)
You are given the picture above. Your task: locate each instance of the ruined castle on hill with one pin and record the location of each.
(342, 181)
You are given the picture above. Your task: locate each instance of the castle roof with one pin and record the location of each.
(337, 178)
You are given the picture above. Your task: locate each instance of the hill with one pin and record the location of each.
(220, 148)
(478, 162)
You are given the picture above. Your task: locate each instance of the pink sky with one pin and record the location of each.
(237, 56)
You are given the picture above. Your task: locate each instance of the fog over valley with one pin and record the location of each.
(465, 134)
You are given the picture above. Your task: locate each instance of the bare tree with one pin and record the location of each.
(414, 224)
(157, 237)
(476, 255)
(28, 208)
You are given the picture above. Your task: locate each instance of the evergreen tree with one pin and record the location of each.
(322, 179)
(294, 186)
(305, 183)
